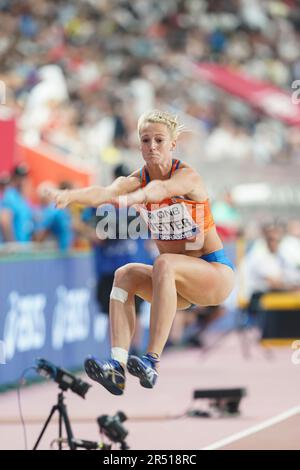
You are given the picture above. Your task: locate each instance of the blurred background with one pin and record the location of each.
(74, 77)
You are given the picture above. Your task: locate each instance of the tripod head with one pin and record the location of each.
(65, 379)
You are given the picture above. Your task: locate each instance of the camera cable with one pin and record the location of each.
(21, 382)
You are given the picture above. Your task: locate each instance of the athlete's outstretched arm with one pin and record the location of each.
(93, 196)
(184, 181)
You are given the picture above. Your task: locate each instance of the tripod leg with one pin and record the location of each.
(54, 408)
(60, 431)
(63, 415)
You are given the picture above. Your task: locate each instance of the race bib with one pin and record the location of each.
(172, 222)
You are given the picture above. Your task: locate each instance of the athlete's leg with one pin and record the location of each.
(163, 306)
(162, 291)
(134, 279)
(111, 373)
(122, 314)
(193, 279)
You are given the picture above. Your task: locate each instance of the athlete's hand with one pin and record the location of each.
(130, 199)
(61, 197)
(154, 192)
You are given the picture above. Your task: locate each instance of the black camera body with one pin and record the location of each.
(65, 379)
(112, 427)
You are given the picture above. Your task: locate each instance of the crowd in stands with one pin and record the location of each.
(79, 73)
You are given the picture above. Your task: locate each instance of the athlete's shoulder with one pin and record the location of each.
(182, 164)
(199, 191)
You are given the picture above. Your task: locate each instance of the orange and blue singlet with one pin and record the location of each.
(179, 218)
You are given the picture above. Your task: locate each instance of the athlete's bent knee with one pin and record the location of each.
(123, 283)
(163, 265)
(124, 275)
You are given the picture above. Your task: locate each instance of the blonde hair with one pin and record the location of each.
(161, 117)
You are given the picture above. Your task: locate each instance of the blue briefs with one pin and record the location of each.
(218, 256)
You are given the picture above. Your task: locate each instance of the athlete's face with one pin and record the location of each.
(156, 142)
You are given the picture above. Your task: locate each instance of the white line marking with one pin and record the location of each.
(265, 424)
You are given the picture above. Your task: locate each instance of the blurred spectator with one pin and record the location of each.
(14, 199)
(50, 90)
(52, 222)
(191, 326)
(228, 140)
(226, 217)
(290, 245)
(267, 267)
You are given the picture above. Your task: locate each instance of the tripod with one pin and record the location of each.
(63, 418)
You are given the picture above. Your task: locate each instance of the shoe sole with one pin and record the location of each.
(135, 367)
(94, 371)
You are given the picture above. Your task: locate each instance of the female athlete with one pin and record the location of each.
(191, 268)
